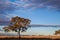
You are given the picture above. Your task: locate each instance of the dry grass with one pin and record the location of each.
(52, 37)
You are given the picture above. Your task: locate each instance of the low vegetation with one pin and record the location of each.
(57, 32)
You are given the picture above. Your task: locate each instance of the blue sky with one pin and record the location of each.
(38, 11)
(41, 16)
(45, 12)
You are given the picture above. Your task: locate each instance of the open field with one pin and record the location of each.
(30, 37)
(53, 37)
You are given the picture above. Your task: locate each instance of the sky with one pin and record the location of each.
(45, 12)
(38, 11)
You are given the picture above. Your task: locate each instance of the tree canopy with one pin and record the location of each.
(17, 23)
(57, 32)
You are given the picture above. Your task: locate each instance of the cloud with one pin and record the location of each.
(8, 6)
(55, 4)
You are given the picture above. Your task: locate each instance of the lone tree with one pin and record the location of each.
(57, 32)
(18, 24)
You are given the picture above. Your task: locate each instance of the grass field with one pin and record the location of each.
(30, 38)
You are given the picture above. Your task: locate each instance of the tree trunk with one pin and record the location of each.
(19, 33)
